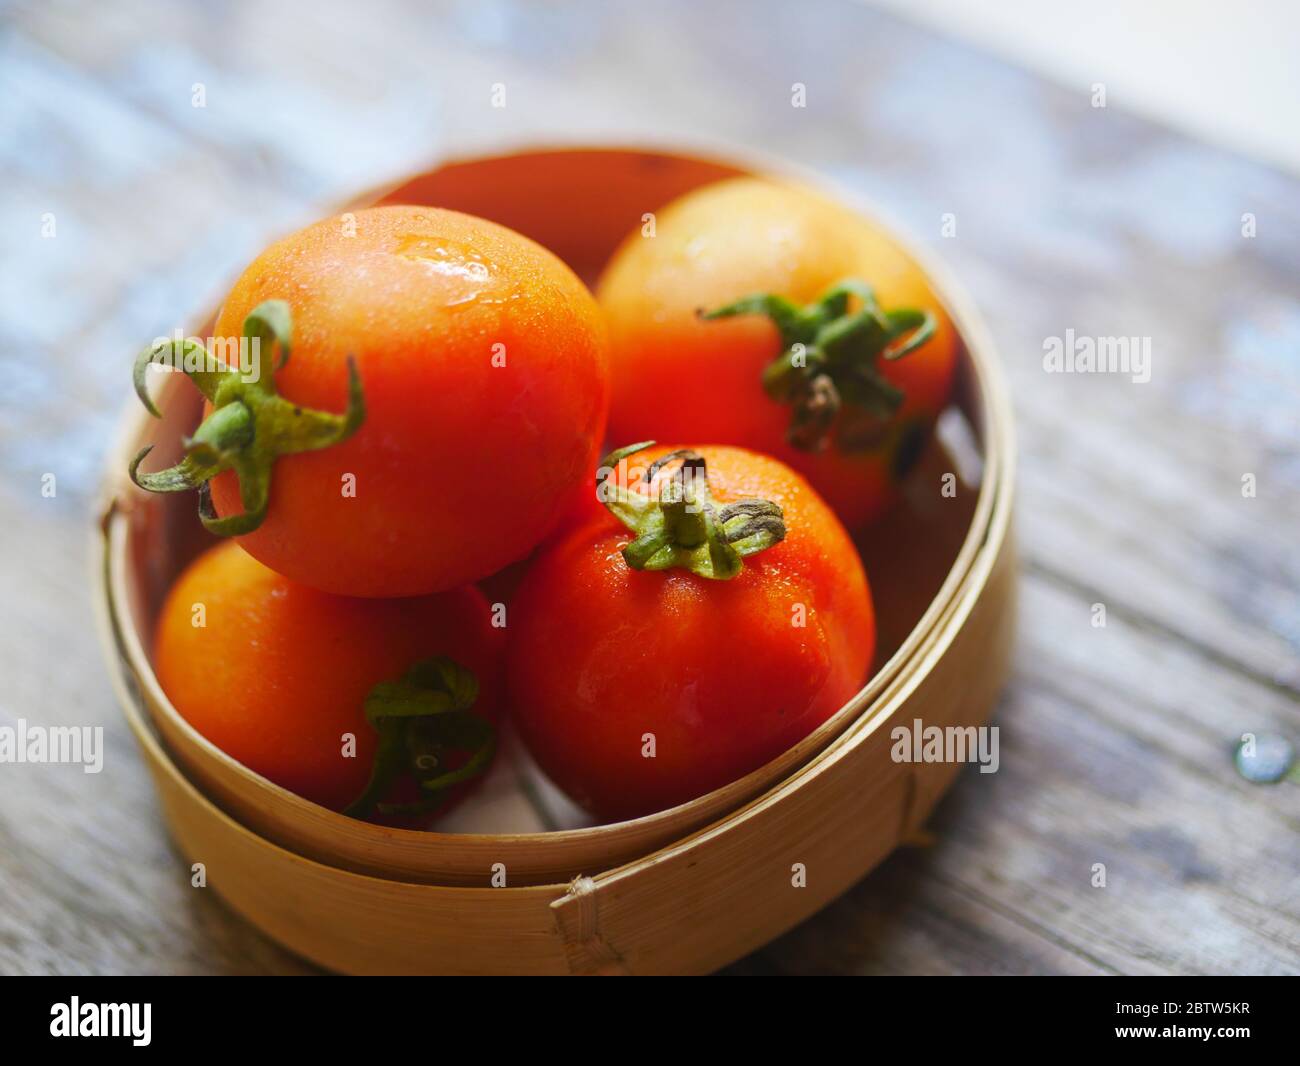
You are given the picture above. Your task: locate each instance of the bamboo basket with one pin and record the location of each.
(684, 890)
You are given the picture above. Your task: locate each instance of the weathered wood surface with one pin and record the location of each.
(1116, 741)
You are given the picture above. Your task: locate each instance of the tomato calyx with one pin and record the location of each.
(422, 718)
(828, 370)
(683, 527)
(251, 425)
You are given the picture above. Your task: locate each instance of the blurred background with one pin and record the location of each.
(1223, 72)
(148, 150)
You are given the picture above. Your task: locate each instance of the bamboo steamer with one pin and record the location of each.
(684, 890)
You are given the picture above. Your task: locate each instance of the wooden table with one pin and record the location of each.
(1117, 741)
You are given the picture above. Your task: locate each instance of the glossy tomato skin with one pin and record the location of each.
(600, 655)
(280, 671)
(484, 366)
(677, 377)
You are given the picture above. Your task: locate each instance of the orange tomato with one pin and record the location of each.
(720, 675)
(678, 375)
(278, 674)
(483, 366)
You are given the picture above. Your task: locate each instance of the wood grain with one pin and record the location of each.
(1116, 742)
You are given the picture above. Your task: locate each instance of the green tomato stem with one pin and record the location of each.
(683, 527)
(421, 718)
(829, 363)
(251, 425)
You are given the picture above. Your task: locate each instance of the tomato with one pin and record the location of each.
(278, 674)
(716, 635)
(445, 388)
(856, 416)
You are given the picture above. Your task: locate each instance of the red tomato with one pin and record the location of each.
(853, 418)
(278, 674)
(720, 664)
(478, 402)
